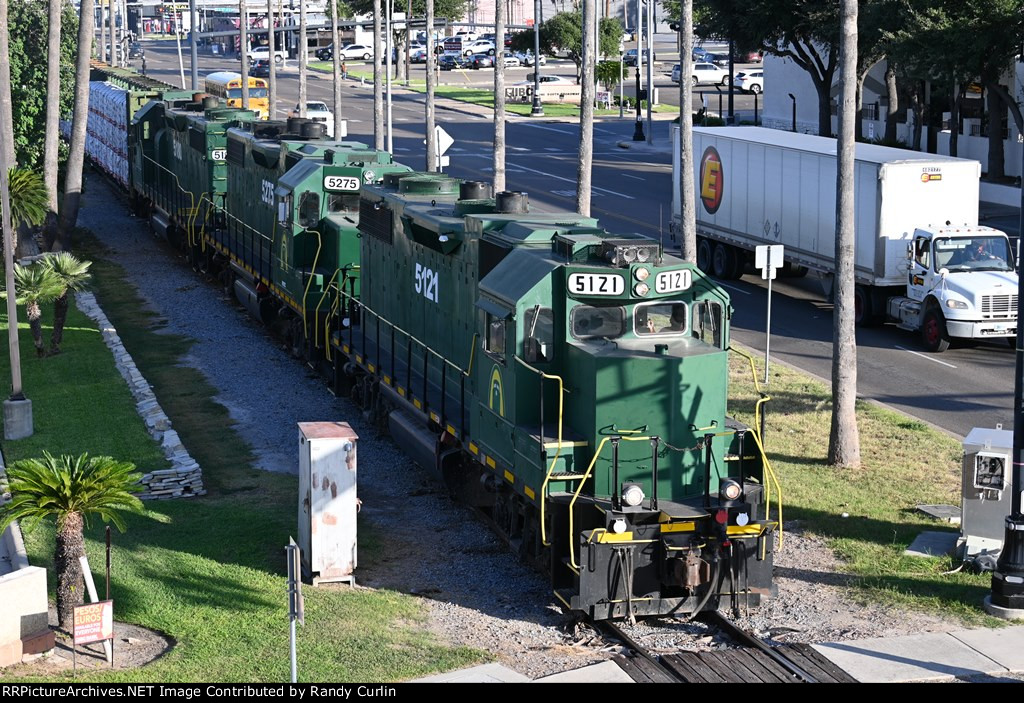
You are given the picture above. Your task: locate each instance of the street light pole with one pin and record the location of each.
(537, 110)
(650, 68)
(1007, 597)
(192, 42)
(638, 130)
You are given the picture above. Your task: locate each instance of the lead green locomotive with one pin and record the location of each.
(570, 382)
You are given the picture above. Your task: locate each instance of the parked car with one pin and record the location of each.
(319, 112)
(547, 80)
(526, 58)
(750, 81)
(478, 46)
(449, 62)
(717, 59)
(418, 56)
(629, 58)
(135, 50)
(700, 54)
(259, 53)
(260, 68)
(356, 51)
(709, 74)
(325, 53)
(748, 57)
(511, 60)
(479, 61)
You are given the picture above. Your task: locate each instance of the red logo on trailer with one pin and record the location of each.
(712, 180)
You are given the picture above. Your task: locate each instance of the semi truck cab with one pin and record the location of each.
(961, 282)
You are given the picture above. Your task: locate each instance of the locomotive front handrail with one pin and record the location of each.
(558, 449)
(309, 281)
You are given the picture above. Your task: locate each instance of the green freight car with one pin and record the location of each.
(571, 382)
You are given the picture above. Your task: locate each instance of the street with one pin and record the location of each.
(966, 387)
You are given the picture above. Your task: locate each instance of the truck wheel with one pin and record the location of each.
(704, 250)
(933, 331)
(723, 261)
(864, 309)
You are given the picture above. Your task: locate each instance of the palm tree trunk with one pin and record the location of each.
(431, 60)
(688, 194)
(6, 105)
(336, 59)
(60, 316)
(272, 65)
(50, 145)
(586, 148)
(378, 80)
(499, 95)
(844, 440)
(303, 58)
(35, 323)
(76, 158)
(70, 546)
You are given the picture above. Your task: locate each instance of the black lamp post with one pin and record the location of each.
(537, 110)
(638, 130)
(793, 98)
(1007, 597)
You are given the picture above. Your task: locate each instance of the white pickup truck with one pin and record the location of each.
(920, 257)
(263, 52)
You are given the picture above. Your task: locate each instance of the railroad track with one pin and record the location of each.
(753, 662)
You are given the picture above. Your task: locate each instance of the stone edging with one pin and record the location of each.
(15, 541)
(185, 477)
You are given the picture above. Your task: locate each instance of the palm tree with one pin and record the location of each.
(76, 156)
(70, 489)
(35, 285)
(50, 148)
(30, 198)
(73, 274)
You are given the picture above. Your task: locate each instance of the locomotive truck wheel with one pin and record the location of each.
(933, 331)
(723, 261)
(296, 337)
(704, 250)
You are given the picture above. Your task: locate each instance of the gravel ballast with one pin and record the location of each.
(475, 592)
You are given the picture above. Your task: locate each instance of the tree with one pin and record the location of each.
(564, 32)
(35, 285)
(337, 10)
(687, 188)
(608, 73)
(76, 160)
(844, 440)
(70, 489)
(429, 105)
(499, 95)
(6, 99)
(378, 80)
(804, 32)
(303, 58)
(73, 275)
(29, 197)
(51, 139)
(588, 55)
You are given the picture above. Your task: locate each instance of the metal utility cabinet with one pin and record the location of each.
(327, 501)
(985, 491)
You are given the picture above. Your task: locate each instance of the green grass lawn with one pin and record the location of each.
(904, 463)
(209, 572)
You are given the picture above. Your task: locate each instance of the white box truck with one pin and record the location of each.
(921, 259)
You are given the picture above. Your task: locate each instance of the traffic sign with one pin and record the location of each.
(768, 258)
(443, 139)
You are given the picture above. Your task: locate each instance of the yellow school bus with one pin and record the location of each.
(228, 85)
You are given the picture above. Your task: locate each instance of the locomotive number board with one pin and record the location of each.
(673, 281)
(341, 183)
(596, 284)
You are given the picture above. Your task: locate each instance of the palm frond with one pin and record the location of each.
(29, 197)
(36, 284)
(72, 271)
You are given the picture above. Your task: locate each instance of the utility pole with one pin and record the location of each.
(243, 47)
(408, 42)
(586, 148)
(103, 30)
(388, 44)
(336, 59)
(303, 58)
(272, 77)
(650, 68)
(537, 110)
(688, 193)
(431, 134)
(193, 40)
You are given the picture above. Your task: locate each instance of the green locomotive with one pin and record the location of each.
(570, 382)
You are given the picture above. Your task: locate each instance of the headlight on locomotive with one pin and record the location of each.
(642, 274)
(730, 490)
(632, 494)
(641, 289)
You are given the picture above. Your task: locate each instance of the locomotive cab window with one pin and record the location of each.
(667, 318)
(343, 202)
(588, 322)
(495, 342)
(707, 322)
(539, 334)
(309, 209)
(284, 208)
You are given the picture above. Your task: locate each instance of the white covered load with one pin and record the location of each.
(765, 186)
(107, 140)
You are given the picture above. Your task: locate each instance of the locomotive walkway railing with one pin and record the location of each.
(445, 365)
(558, 449)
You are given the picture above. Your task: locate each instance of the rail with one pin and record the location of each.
(558, 449)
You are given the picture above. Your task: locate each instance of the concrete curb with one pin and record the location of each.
(185, 477)
(12, 537)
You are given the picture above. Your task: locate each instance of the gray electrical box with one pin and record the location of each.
(985, 494)
(327, 501)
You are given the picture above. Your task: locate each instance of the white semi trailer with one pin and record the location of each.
(921, 259)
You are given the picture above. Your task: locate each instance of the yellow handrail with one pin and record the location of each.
(756, 433)
(558, 449)
(316, 260)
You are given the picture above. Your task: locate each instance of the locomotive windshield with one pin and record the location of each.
(588, 322)
(661, 319)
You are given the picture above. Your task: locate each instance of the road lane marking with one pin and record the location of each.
(924, 356)
(635, 178)
(730, 287)
(570, 180)
(540, 126)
